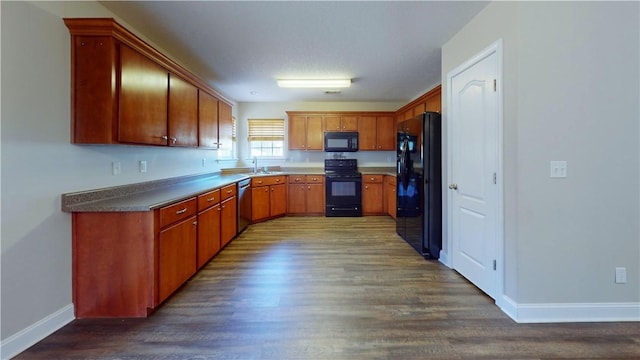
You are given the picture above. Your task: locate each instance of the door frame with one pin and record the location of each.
(496, 48)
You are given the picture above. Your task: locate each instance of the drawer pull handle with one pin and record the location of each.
(211, 199)
(229, 191)
(181, 211)
(277, 180)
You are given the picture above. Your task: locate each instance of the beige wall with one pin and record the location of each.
(571, 89)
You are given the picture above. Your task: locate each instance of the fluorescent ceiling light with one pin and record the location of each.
(314, 83)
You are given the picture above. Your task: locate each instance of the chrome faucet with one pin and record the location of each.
(255, 164)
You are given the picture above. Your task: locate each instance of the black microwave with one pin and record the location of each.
(340, 141)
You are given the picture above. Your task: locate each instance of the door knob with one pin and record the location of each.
(453, 186)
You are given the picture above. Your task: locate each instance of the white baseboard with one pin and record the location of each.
(19, 342)
(569, 312)
(444, 258)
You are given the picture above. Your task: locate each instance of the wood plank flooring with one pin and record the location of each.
(331, 288)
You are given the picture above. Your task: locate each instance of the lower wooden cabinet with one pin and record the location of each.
(177, 256)
(372, 200)
(125, 264)
(228, 214)
(268, 197)
(306, 195)
(390, 195)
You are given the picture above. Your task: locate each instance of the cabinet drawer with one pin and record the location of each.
(390, 180)
(178, 211)
(314, 179)
(268, 180)
(296, 179)
(372, 178)
(228, 191)
(208, 199)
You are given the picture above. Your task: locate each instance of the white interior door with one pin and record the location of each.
(474, 164)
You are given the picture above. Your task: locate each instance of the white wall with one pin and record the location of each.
(278, 110)
(571, 90)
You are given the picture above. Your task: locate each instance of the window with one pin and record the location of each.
(266, 137)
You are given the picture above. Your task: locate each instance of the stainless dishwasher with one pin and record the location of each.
(244, 204)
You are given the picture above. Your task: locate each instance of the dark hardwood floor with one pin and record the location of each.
(331, 288)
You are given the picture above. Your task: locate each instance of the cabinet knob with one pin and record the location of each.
(195, 222)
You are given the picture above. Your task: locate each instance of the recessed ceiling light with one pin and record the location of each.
(314, 83)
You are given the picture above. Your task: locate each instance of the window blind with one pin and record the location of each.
(266, 130)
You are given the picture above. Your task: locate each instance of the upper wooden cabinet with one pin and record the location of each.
(126, 92)
(376, 132)
(207, 120)
(225, 126)
(305, 132)
(430, 101)
(183, 112)
(340, 123)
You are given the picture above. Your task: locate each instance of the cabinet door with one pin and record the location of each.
(315, 199)
(260, 203)
(433, 103)
(94, 60)
(142, 116)
(278, 200)
(367, 132)
(208, 234)
(207, 121)
(419, 109)
(390, 193)
(332, 123)
(315, 135)
(297, 133)
(229, 220)
(225, 126)
(372, 202)
(183, 113)
(177, 256)
(349, 123)
(386, 129)
(296, 199)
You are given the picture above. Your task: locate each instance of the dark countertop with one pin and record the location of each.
(156, 194)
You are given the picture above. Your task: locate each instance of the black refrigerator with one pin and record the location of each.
(419, 183)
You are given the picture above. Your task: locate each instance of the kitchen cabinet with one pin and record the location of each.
(183, 113)
(126, 263)
(268, 197)
(126, 92)
(340, 123)
(225, 126)
(372, 199)
(142, 106)
(177, 247)
(429, 101)
(305, 133)
(306, 195)
(376, 132)
(209, 226)
(390, 195)
(228, 214)
(207, 120)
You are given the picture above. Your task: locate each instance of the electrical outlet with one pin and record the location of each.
(558, 169)
(204, 162)
(143, 166)
(116, 168)
(621, 275)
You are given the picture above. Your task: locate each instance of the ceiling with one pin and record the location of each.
(390, 49)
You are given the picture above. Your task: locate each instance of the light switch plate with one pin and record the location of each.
(143, 166)
(558, 169)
